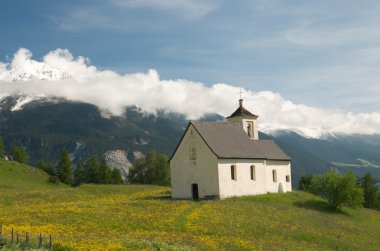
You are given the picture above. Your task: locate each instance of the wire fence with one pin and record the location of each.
(24, 240)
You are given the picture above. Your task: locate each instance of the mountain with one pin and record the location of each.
(357, 152)
(46, 126)
(311, 133)
(31, 70)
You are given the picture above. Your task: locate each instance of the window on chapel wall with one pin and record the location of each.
(253, 172)
(274, 173)
(192, 152)
(287, 178)
(233, 172)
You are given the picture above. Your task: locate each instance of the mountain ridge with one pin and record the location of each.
(45, 128)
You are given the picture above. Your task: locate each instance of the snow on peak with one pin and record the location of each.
(312, 133)
(32, 69)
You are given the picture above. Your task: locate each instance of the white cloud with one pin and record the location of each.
(20, 57)
(189, 8)
(3, 67)
(112, 91)
(121, 14)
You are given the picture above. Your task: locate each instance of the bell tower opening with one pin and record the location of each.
(246, 119)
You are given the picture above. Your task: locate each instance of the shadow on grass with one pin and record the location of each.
(158, 197)
(166, 196)
(318, 205)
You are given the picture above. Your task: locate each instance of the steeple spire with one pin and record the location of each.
(246, 119)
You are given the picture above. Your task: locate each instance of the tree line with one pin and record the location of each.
(346, 189)
(92, 170)
(150, 169)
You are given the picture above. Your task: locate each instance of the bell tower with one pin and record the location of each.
(246, 119)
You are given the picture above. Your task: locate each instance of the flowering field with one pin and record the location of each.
(132, 217)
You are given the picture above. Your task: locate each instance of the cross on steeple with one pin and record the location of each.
(240, 100)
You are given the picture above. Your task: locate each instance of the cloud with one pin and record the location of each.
(3, 67)
(20, 57)
(190, 8)
(112, 91)
(128, 15)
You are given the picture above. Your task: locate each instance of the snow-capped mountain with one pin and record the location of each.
(310, 133)
(32, 69)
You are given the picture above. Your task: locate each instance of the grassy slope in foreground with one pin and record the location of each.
(109, 217)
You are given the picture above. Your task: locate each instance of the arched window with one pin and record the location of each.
(192, 152)
(250, 129)
(274, 173)
(253, 172)
(233, 172)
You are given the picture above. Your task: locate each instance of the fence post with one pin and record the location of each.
(12, 236)
(40, 241)
(1, 230)
(26, 240)
(16, 238)
(50, 243)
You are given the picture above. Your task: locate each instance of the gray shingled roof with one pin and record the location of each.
(241, 111)
(229, 140)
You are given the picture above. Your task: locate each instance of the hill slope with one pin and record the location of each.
(137, 217)
(16, 176)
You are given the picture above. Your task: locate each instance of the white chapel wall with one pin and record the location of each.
(202, 170)
(283, 169)
(243, 185)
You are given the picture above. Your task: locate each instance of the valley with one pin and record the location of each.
(137, 217)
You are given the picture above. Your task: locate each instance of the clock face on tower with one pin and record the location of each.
(192, 152)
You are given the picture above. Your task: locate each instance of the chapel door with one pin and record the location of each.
(194, 189)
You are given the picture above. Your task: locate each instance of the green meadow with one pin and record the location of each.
(139, 217)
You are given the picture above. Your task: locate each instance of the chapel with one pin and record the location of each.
(227, 159)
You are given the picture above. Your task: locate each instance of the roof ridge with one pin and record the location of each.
(209, 122)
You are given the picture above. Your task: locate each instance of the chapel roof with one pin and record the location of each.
(228, 140)
(241, 111)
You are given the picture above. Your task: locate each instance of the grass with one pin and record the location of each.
(136, 217)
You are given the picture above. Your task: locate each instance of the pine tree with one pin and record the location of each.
(64, 169)
(104, 173)
(79, 174)
(92, 170)
(116, 177)
(371, 199)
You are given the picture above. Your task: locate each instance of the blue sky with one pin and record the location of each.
(324, 54)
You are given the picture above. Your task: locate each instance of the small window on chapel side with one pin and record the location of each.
(274, 173)
(233, 172)
(287, 178)
(192, 152)
(253, 172)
